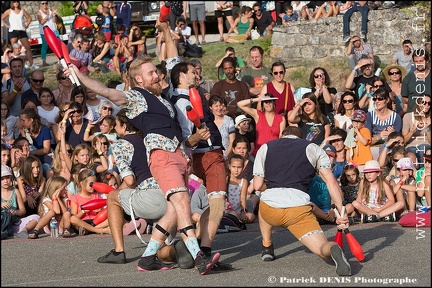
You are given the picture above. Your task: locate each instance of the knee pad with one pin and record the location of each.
(217, 208)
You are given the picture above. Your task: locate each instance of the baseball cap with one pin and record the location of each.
(358, 115)
(330, 150)
(6, 170)
(427, 154)
(405, 164)
(371, 166)
(240, 119)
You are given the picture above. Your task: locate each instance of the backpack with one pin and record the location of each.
(60, 25)
(193, 51)
(6, 224)
(99, 20)
(230, 223)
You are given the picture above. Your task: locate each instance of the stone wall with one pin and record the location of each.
(322, 39)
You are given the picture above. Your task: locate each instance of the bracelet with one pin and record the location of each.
(354, 69)
(14, 90)
(387, 147)
(100, 153)
(87, 129)
(63, 121)
(251, 102)
(401, 183)
(54, 199)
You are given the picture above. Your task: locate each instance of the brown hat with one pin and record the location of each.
(389, 67)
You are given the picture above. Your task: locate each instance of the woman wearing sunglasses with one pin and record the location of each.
(382, 120)
(74, 124)
(308, 116)
(366, 99)
(348, 103)
(320, 82)
(280, 89)
(394, 74)
(416, 127)
(269, 124)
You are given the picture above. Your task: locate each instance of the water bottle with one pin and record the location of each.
(54, 228)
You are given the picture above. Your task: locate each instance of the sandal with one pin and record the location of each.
(66, 233)
(82, 231)
(34, 234)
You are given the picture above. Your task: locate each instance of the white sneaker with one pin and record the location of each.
(27, 66)
(34, 66)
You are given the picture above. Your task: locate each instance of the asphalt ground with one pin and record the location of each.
(394, 256)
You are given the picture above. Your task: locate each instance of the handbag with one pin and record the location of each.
(270, 6)
(255, 34)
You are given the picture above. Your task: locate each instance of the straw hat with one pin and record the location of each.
(239, 119)
(371, 166)
(387, 69)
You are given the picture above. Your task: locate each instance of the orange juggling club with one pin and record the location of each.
(101, 216)
(354, 245)
(195, 99)
(193, 116)
(94, 204)
(101, 187)
(164, 12)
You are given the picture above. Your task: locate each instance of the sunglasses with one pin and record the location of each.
(396, 160)
(63, 78)
(257, 10)
(104, 143)
(318, 75)
(38, 80)
(107, 108)
(426, 103)
(79, 111)
(378, 99)
(427, 160)
(336, 140)
(378, 86)
(278, 72)
(70, 151)
(348, 101)
(43, 3)
(394, 73)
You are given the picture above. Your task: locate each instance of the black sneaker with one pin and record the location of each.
(368, 219)
(390, 218)
(184, 258)
(113, 258)
(150, 263)
(221, 266)
(268, 253)
(343, 268)
(205, 263)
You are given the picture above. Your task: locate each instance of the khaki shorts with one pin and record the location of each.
(300, 221)
(147, 204)
(169, 170)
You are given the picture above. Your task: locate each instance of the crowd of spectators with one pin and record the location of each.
(69, 131)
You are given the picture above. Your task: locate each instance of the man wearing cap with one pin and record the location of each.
(423, 179)
(283, 170)
(242, 126)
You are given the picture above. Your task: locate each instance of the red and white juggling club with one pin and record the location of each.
(195, 99)
(68, 60)
(53, 43)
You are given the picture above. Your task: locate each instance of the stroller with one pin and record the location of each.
(83, 24)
